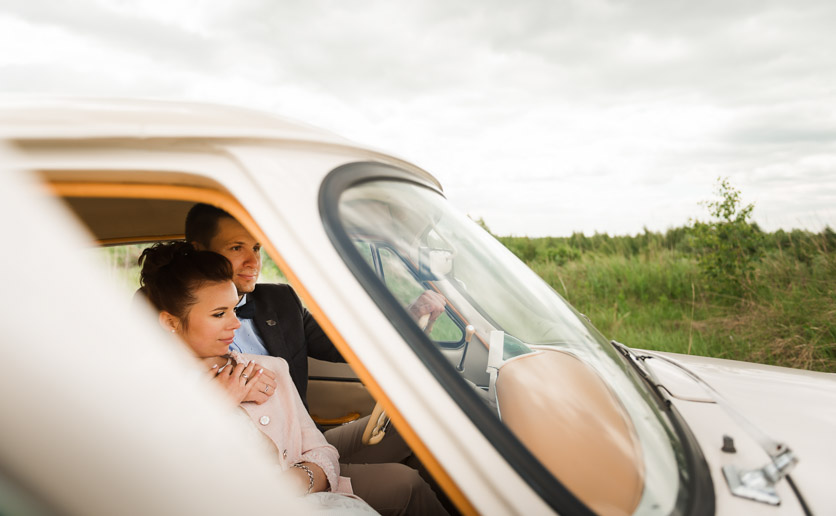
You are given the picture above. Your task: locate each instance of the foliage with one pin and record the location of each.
(121, 263)
(729, 245)
(659, 301)
(482, 224)
(649, 291)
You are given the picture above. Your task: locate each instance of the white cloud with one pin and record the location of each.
(542, 117)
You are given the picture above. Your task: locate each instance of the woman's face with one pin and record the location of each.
(212, 321)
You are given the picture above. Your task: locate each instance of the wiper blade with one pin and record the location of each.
(645, 372)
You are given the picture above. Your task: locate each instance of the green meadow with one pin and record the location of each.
(650, 291)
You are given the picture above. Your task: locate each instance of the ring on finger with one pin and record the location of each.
(266, 389)
(244, 375)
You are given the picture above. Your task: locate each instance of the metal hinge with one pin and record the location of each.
(759, 484)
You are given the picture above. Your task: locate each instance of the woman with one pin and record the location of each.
(195, 295)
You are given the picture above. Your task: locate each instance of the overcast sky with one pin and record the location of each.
(543, 117)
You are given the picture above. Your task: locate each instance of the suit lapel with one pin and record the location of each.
(269, 327)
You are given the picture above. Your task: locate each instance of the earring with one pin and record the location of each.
(173, 331)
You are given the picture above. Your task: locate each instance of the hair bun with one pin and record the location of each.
(156, 258)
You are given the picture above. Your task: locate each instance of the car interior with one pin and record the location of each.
(116, 215)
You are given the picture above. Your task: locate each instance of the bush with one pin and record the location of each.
(728, 246)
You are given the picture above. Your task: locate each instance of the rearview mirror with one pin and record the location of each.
(434, 264)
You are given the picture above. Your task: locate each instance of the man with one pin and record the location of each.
(278, 325)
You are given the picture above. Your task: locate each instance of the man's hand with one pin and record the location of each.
(429, 303)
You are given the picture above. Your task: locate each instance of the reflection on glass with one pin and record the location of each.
(414, 241)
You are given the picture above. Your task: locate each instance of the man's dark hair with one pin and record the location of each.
(202, 223)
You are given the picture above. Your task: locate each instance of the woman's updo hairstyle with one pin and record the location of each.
(172, 272)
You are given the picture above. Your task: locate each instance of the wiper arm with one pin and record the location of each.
(645, 372)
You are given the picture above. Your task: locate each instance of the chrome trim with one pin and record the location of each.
(759, 484)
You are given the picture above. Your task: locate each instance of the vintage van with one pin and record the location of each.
(512, 400)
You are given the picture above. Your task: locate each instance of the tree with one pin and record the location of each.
(482, 224)
(729, 245)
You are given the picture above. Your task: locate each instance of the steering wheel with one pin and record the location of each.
(376, 427)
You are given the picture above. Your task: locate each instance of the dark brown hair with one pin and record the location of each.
(172, 272)
(202, 223)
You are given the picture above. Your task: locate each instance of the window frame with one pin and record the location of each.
(548, 488)
(701, 495)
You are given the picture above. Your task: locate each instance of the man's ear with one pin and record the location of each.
(198, 246)
(169, 322)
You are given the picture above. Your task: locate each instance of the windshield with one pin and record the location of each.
(547, 374)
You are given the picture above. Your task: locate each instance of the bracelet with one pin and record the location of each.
(310, 476)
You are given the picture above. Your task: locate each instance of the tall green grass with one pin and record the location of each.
(648, 292)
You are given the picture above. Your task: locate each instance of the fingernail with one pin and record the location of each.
(261, 370)
(215, 366)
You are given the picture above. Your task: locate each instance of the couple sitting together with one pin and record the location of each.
(260, 358)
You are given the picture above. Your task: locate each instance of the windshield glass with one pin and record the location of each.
(553, 379)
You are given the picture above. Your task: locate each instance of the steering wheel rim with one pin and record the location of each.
(376, 426)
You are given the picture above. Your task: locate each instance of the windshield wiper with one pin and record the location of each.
(649, 377)
(754, 484)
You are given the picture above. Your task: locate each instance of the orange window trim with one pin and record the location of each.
(228, 203)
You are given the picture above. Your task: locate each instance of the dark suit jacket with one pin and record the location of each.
(289, 331)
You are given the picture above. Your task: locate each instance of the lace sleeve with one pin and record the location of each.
(316, 449)
(329, 464)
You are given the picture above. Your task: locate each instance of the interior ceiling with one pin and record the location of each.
(111, 220)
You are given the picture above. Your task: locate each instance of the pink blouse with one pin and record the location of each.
(285, 421)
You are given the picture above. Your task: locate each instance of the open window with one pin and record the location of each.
(124, 218)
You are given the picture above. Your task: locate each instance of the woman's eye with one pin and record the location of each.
(218, 315)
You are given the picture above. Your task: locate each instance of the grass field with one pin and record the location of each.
(648, 291)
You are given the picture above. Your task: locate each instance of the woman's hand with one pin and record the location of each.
(264, 386)
(239, 381)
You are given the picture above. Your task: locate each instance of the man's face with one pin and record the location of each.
(241, 249)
